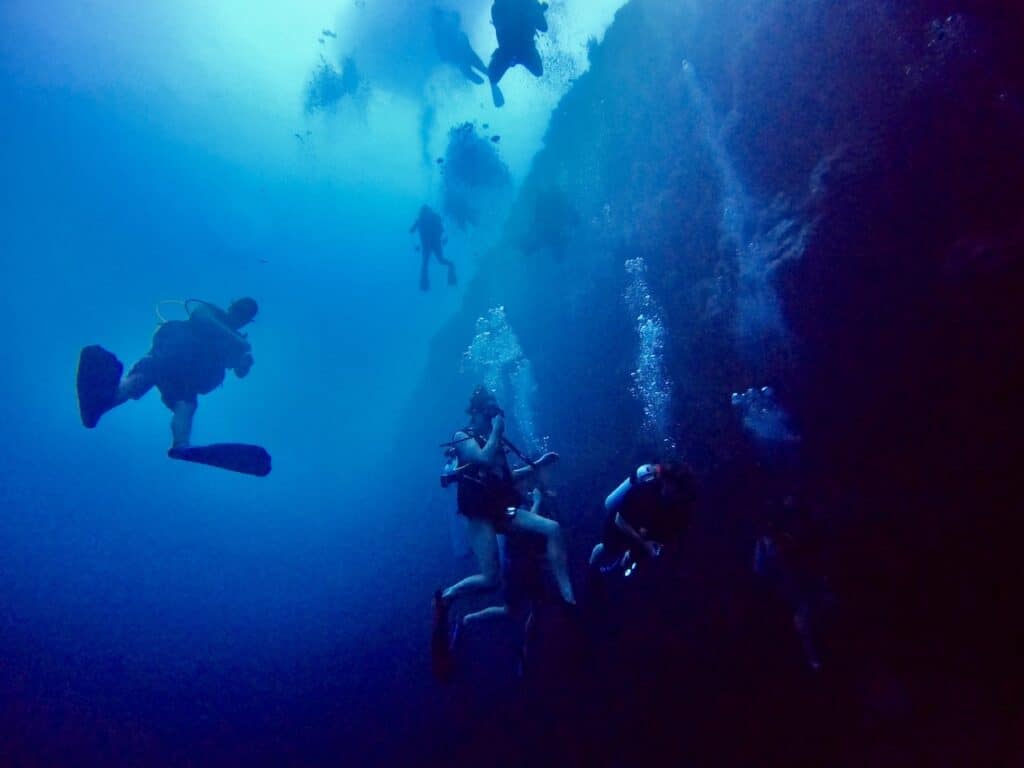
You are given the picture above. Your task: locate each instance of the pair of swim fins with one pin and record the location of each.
(99, 374)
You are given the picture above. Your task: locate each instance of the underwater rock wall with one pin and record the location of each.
(828, 199)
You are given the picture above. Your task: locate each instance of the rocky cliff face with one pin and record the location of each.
(827, 198)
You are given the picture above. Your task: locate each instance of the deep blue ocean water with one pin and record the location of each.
(733, 190)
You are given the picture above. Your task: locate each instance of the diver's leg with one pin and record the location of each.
(501, 60)
(424, 274)
(484, 542)
(475, 62)
(527, 521)
(439, 253)
(133, 386)
(181, 423)
(532, 61)
(490, 612)
(469, 74)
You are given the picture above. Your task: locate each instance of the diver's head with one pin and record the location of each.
(678, 484)
(483, 407)
(424, 210)
(241, 312)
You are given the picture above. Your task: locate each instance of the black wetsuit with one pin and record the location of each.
(644, 507)
(516, 23)
(187, 359)
(431, 229)
(486, 492)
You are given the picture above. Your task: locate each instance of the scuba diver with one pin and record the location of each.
(453, 46)
(432, 240)
(188, 358)
(516, 24)
(647, 516)
(488, 498)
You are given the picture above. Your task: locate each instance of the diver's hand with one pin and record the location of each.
(652, 548)
(537, 495)
(498, 425)
(244, 365)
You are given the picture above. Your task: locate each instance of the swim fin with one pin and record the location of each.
(236, 457)
(497, 96)
(99, 373)
(440, 647)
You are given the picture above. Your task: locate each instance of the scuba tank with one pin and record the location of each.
(644, 475)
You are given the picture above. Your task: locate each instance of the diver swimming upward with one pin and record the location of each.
(188, 358)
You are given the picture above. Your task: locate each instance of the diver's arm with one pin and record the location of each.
(623, 525)
(209, 318)
(548, 458)
(470, 452)
(415, 226)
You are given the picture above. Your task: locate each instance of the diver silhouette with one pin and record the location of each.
(188, 358)
(516, 24)
(453, 45)
(431, 229)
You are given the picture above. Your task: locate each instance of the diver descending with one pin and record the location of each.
(432, 241)
(488, 498)
(516, 24)
(188, 358)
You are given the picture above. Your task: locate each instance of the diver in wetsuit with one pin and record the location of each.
(516, 24)
(188, 358)
(488, 498)
(647, 516)
(453, 45)
(431, 229)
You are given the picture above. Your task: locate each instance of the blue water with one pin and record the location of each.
(821, 199)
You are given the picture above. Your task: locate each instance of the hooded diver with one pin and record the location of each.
(188, 358)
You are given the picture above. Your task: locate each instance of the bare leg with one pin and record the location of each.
(484, 542)
(132, 387)
(501, 60)
(424, 275)
(491, 612)
(527, 521)
(181, 424)
(469, 74)
(532, 62)
(439, 253)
